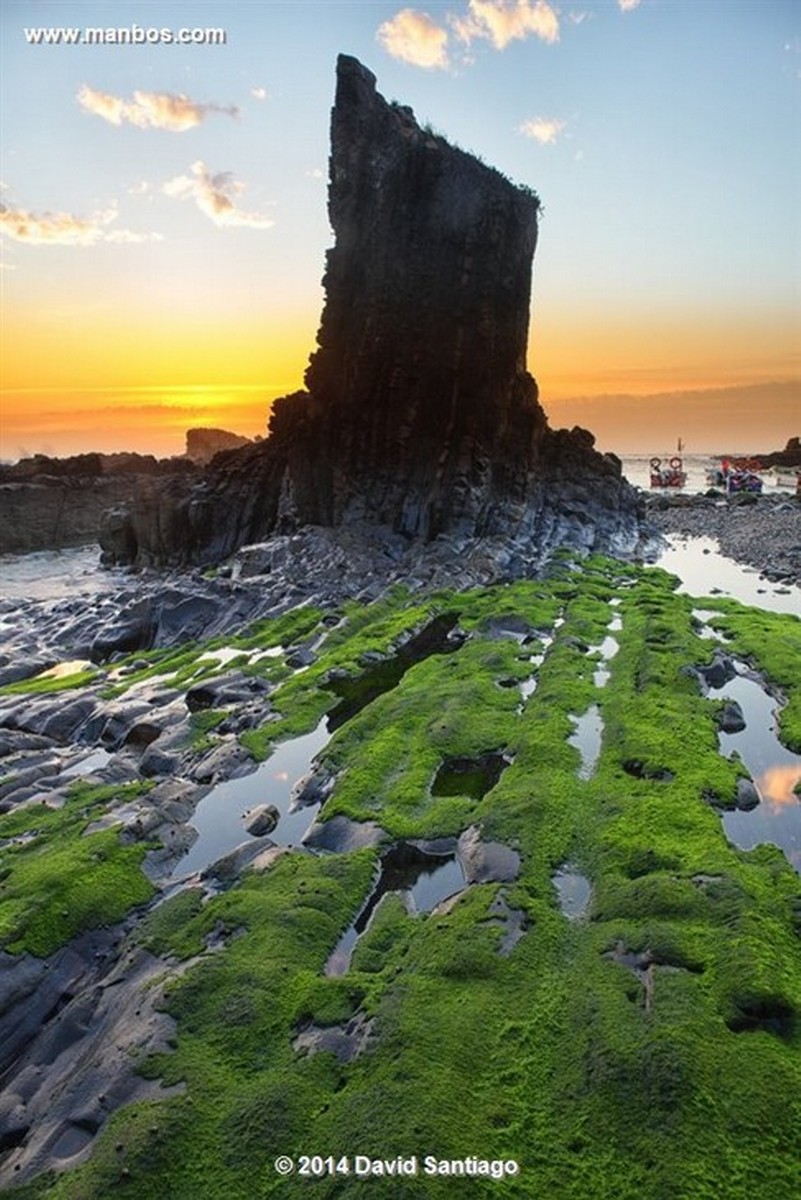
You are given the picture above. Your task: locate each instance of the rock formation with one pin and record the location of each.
(418, 412)
(48, 503)
(203, 444)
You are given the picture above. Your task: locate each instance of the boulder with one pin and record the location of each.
(747, 797)
(730, 718)
(262, 819)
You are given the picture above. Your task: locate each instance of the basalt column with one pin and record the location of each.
(419, 381)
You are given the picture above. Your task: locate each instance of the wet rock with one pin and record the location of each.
(185, 614)
(304, 656)
(225, 761)
(513, 921)
(314, 788)
(14, 741)
(61, 719)
(25, 669)
(80, 998)
(719, 671)
(134, 629)
(747, 797)
(26, 778)
(730, 718)
(156, 762)
(346, 1041)
(267, 858)
(231, 866)
(120, 718)
(262, 819)
(232, 688)
(175, 799)
(341, 835)
(486, 862)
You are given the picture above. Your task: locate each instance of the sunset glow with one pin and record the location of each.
(777, 786)
(164, 221)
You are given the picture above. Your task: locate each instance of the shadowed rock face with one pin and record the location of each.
(47, 503)
(419, 413)
(202, 444)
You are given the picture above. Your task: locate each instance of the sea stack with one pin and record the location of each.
(418, 414)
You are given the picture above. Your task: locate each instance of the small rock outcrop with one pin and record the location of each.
(48, 503)
(203, 444)
(418, 414)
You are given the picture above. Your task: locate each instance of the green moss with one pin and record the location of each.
(38, 686)
(60, 881)
(651, 1049)
(169, 928)
(771, 642)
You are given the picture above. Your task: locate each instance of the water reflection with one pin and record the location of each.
(586, 738)
(421, 879)
(529, 686)
(774, 769)
(218, 816)
(704, 571)
(573, 891)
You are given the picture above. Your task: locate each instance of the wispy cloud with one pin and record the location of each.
(150, 110)
(504, 21)
(628, 5)
(544, 130)
(415, 38)
(65, 229)
(259, 93)
(215, 197)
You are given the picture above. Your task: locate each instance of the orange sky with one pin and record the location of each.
(87, 377)
(164, 214)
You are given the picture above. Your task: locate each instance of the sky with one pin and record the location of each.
(164, 225)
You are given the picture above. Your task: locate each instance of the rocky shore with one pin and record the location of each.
(763, 532)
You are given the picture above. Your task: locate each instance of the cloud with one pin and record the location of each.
(544, 130)
(628, 5)
(503, 21)
(259, 93)
(150, 110)
(778, 784)
(415, 38)
(64, 229)
(214, 196)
